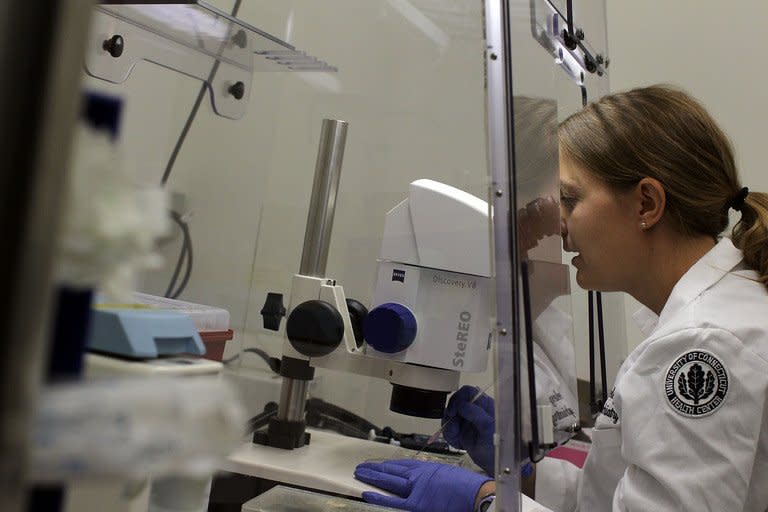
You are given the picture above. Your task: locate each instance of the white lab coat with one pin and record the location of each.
(675, 437)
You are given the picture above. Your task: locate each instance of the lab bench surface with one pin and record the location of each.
(327, 464)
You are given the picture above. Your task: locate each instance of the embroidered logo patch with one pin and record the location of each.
(609, 410)
(696, 383)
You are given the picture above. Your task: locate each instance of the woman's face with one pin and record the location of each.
(601, 226)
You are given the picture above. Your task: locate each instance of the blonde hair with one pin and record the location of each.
(663, 133)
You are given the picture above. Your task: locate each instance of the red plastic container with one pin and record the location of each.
(215, 342)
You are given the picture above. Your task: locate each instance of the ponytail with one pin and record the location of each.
(751, 234)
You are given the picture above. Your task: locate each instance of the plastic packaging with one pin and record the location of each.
(110, 223)
(135, 427)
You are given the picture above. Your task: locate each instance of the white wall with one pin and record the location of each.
(713, 49)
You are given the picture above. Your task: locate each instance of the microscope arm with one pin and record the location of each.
(349, 358)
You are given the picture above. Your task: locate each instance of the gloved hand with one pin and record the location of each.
(471, 426)
(421, 486)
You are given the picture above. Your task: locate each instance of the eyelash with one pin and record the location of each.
(567, 202)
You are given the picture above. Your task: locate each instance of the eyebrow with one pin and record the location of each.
(568, 188)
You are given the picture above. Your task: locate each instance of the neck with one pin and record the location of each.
(667, 260)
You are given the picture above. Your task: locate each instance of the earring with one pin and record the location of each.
(643, 225)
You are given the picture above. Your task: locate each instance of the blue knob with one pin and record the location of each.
(390, 328)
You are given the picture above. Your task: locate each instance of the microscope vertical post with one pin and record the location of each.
(317, 238)
(322, 204)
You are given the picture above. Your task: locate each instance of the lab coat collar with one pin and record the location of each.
(717, 262)
(712, 267)
(646, 320)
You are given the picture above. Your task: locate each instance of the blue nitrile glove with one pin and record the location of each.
(421, 486)
(471, 426)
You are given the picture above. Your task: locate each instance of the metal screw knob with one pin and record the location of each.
(237, 90)
(240, 39)
(114, 45)
(580, 34)
(568, 40)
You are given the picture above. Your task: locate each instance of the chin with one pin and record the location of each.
(582, 279)
(584, 282)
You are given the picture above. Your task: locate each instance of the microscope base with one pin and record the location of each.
(283, 434)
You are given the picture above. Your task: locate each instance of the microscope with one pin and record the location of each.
(429, 320)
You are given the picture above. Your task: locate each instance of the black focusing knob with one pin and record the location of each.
(315, 328)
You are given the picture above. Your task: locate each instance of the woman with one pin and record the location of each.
(647, 181)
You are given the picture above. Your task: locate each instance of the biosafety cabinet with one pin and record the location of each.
(369, 189)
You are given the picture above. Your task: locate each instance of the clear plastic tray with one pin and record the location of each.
(288, 499)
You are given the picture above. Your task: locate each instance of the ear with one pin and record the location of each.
(653, 202)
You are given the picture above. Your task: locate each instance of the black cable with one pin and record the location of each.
(594, 405)
(182, 254)
(534, 450)
(601, 346)
(591, 332)
(272, 362)
(262, 419)
(328, 416)
(320, 406)
(328, 422)
(187, 125)
(186, 248)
